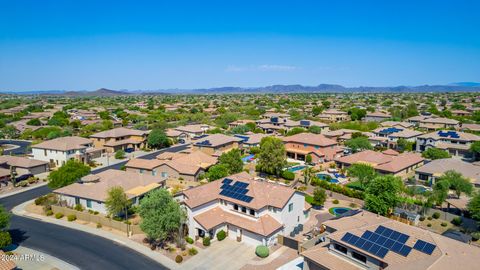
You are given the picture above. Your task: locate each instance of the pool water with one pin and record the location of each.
(324, 177)
(296, 168)
(337, 211)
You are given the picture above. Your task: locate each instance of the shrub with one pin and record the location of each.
(457, 221)
(58, 215)
(444, 224)
(99, 225)
(23, 183)
(95, 212)
(78, 207)
(422, 218)
(429, 218)
(288, 175)
(192, 251)
(206, 241)
(475, 236)
(120, 154)
(221, 235)
(335, 201)
(31, 180)
(40, 200)
(436, 215)
(189, 240)
(178, 259)
(5, 239)
(71, 217)
(262, 251)
(49, 212)
(429, 225)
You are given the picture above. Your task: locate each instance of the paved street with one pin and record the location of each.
(21, 150)
(78, 248)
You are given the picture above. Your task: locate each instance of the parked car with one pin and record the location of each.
(23, 177)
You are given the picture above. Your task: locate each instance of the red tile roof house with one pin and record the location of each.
(255, 216)
(92, 191)
(388, 162)
(367, 241)
(318, 146)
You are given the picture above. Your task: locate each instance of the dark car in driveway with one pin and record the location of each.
(23, 177)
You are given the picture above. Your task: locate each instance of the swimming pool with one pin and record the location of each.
(325, 177)
(337, 211)
(296, 168)
(419, 188)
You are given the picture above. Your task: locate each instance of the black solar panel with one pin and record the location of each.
(424, 247)
(227, 181)
(236, 191)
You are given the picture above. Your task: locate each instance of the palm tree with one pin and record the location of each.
(308, 175)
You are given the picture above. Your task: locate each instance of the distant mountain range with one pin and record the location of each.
(294, 88)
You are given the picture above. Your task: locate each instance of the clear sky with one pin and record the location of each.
(86, 45)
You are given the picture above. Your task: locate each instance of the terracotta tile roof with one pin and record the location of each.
(311, 139)
(119, 132)
(147, 164)
(97, 190)
(320, 255)
(21, 162)
(64, 143)
(263, 193)
(121, 142)
(264, 225)
(440, 166)
(5, 263)
(200, 128)
(217, 140)
(4, 172)
(383, 162)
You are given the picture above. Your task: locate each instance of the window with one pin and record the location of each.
(359, 257)
(290, 207)
(141, 171)
(89, 203)
(164, 174)
(340, 248)
(235, 207)
(252, 212)
(77, 200)
(244, 209)
(154, 172)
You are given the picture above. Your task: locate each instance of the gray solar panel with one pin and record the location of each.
(424, 247)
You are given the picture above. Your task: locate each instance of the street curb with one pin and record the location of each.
(19, 210)
(23, 190)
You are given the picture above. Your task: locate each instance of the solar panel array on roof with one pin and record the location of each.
(206, 142)
(390, 130)
(380, 242)
(450, 133)
(304, 123)
(424, 247)
(200, 136)
(236, 191)
(244, 138)
(274, 119)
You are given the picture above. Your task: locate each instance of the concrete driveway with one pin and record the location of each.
(226, 254)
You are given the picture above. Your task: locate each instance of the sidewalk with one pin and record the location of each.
(20, 211)
(23, 190)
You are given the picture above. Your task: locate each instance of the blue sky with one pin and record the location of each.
(86, 45)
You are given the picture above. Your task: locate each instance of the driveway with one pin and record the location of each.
(226, 254)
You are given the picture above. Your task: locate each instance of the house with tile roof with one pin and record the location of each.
(92, 190)
(377, 117)
(120, 139)
(387, 162)
(434, 169)
(333, 115)
(59, 150)
(250, 211)
(216, 144)
(363, 240)
(23, 165)
(319, 147)
(455, 142)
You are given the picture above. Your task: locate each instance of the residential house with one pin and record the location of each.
(456, 143)
(239, 123)
(120, 139)
(461, 113)
(251, 140)
(58, 151)
(92, 190)
(393, 134)
(191, 132)
(364, 240)
(216, 144)
(24, 165)
(333, 115)
(250, 211)
(434, 123)
(475, 128)
(397, 124)
(188, 167)
(387, 162)
(434, 169)
(289, 124)
(319, 147)
(377, 117)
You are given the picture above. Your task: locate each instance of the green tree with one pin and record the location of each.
(161, 215)
(67, 174)
(383, 194)
(34, 122)
(474, 206)
(5, 238)
(363, 172)
(317, 110)
(120, 154)
(315, 129)
(357, 114)
(404, 145)
(457, 182)
(440, 191)
(158, 139)
(359, 144)
(117, 201)
(308, 159)
(296, 130)
(319, 196)
(435, 153)
(272, 156)
(241, 129)
(233, 160)
(475, 148)
(217, 171)
(308, 175)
